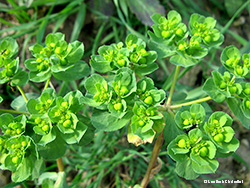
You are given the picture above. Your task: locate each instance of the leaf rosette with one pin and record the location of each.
(57, 58)
(133, 55)
(170, 29)
(148, 94)
(41, 105)
(190, 117)
(194, 154)
(63, 115)
(231, 59)
(146, 122)
(9, 67)
(226, 84)
(12, 126)
(204, 28)
(99, 92)
(219, 130)
(170, 38)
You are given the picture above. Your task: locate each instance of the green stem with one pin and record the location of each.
(190, 103)
(13, 111)
(153, 159)
(232, 80)
(22, 93)
(60, 165)
(238, 96)
(47, 84)
(173, 85)
(64, 86)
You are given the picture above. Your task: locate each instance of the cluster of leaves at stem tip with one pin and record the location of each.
(48, 122)
(122, 95)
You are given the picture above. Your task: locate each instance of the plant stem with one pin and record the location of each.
(190, 103)
(232, 80)
(47, 84)
(22, 93)
(60, 165)
(64, 86)
(173, 85)
(159, 141)
(153, 159)
(13, 111)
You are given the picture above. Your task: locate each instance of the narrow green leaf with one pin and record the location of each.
(78, 22)
(144, 9)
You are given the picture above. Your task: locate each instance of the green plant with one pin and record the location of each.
(123, 96)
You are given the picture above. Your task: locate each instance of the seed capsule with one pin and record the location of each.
(13, 146)
(208, 39)
(143, 51)
(68, 116)
(203, 152)
(239, 71)
(186, 122)
(18, 131)
(118, 106)
(63, 61)
(45, 128)
(24, 144)
(215, 121)
(134, 45)
(148, 100)
(58, 50)
(141, 123)
(179, 32)
(67, 123)
(8, 131)
(223, 85)
(166, 34)
(134, 57)
(229, 62)
(219, 137)
(248, 104)
(124, 90)
(49, 101)
(182, 143)
(52, 45)
(38, 120)
(57, 114)
(247, 91)
(15, 160)
(65, 104)
(121, 62)
(150, 112)
(233, 89)
(181, 47)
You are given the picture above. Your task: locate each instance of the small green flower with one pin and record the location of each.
(182, 143)
(148, 100)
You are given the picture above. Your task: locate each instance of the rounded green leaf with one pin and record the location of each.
(79, 70)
